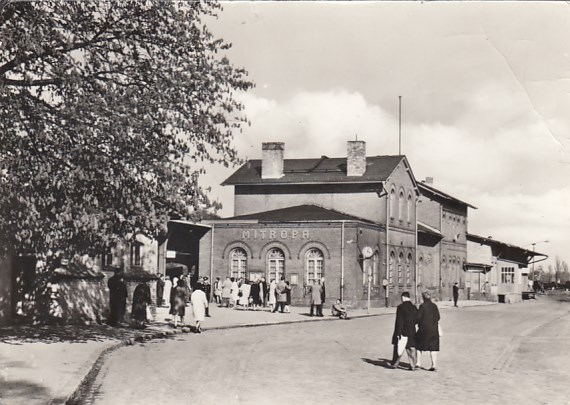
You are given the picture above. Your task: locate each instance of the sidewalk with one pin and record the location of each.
(49, 364)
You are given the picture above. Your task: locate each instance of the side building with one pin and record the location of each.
(442, 240)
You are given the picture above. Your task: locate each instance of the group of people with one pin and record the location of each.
(257, 294)
(416, 331)
(179, 293)
(140, 312)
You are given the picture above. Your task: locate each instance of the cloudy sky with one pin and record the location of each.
(485, 99)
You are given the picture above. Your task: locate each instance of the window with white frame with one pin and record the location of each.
(136, 253)
(391, 268)
(507, 275)
(376, 269)
(400, 269)
(392, 203)
(409, 208)
(275, 264)
(238, 263)
(409, 269)
(420, 268)
(314, 260)
(401, 205)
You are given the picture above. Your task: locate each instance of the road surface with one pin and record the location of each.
(499, 354)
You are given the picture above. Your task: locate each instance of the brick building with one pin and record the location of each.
(442, 240)
(348, 220)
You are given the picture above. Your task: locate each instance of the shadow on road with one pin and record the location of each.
(380, 362)
(20, 334)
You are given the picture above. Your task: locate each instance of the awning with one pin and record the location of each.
(477, 267)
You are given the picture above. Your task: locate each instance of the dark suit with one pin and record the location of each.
(455, 294)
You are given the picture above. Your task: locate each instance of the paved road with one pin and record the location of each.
(490, 355)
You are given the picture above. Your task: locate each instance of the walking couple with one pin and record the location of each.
(407, 339)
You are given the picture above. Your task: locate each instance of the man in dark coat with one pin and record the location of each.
(455, 294)
(264, 290)
(141, 299)
(159, 290)
(405, 332)
(117, 298)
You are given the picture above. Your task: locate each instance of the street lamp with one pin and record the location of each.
(533, 251)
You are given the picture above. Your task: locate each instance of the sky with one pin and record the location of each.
(485, 93)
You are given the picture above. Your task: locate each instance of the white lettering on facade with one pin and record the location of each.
(263, 234)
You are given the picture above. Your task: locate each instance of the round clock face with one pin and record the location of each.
(367, 252)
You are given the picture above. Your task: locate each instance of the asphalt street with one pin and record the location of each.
(498, 354)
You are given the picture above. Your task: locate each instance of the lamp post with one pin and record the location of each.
(533, 251)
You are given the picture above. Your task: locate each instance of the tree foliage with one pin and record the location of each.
(106, 107)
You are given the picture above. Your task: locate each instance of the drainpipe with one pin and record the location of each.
(212, 263)
(342, 261)
(387, 246)
(417, 269)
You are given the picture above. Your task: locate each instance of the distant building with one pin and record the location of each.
(497, 271)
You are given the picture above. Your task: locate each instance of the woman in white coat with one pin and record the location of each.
(199, 305)
(272, 298)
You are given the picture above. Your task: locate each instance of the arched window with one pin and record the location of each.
(238, 263)
(401, 205)
(409, 269)
(400, 269)
(420, 270)
(391, 268)
(392, 203)
(314, 260)
(409, 208)
(275, 264)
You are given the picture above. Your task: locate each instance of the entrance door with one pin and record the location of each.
(275, 264)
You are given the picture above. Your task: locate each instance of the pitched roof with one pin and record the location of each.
(430, 189)
(299, 213)
(321, 170)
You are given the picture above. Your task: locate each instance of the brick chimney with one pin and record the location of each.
(355, 158)
(272, 160)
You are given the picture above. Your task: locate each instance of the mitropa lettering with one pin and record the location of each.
(275, 234)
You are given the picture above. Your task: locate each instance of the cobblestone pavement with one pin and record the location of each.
(490, 355)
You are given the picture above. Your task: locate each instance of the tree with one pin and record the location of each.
(106, 107)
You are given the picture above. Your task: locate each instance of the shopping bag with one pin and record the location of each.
(402, 345)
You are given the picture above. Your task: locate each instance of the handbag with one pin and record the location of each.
(402, 342)
(439, 330)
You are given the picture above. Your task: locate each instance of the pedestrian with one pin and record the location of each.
(159, 290)
(234, 293)
(218, 291)
(288, 294)
(323, 295)
(272, 299)
(226, 292)
(208, 291)
(339, 310)
(263, 291)
(256, 294)
(427, 336)
(167, 290)
(117, 298)
(281, 295)
(171, 299)
(455, 294)
(244, 292)
(316, 298)
(180, 300)
(404, 337)
(141, 300)
(199, 306)
(385, 287)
